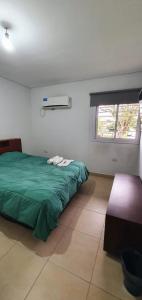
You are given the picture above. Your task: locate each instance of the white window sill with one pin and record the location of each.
(119, 141)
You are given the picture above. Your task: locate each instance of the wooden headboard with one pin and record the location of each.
(10, 145)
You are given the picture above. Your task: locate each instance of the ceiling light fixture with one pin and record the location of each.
(6, 42)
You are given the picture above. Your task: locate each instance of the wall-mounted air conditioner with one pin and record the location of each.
(56, 102)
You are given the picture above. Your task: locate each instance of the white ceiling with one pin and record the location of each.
(67, 40)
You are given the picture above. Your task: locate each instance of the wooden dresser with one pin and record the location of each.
(123, 225)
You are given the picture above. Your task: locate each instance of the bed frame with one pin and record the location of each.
(10, 145)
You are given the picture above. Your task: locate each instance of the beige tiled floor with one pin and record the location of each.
(76, 253)
(71, 265)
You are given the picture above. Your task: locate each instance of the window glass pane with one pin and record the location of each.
(127, 121)
(106, 121)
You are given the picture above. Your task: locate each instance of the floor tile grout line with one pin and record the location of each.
(88, 291)
(79, 230)
(77, 276)
(83, 233)
(94, 266)
(7, 251)
(91, 235)
(105, 291)
(90, 209)
(44, 265)
(97, 252)
(66, 228)
(95, 262)
(67, 270)
(73, 274)
(93, 210)
(93, 272)
(42, 269)
(94, 238)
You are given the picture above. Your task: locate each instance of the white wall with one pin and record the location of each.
(15, 112)
(66, 132)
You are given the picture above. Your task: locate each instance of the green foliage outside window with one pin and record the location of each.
(117, 121)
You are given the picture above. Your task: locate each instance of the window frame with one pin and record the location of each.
(95, 138)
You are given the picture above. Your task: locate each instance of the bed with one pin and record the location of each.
(35, 193)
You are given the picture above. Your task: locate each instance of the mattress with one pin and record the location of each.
(35, 193)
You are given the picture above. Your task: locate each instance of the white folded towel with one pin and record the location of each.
(59, 161)
(65, 162)
(55, 160)
(50, 160)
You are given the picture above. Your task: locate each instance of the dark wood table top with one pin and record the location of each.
(126, 198)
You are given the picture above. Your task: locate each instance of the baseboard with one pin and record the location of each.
(101, 175)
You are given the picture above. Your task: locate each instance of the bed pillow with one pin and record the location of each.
(12, 156)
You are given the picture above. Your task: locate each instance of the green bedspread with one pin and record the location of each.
(35, 193)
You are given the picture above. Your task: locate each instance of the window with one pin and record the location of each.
(117, 123)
